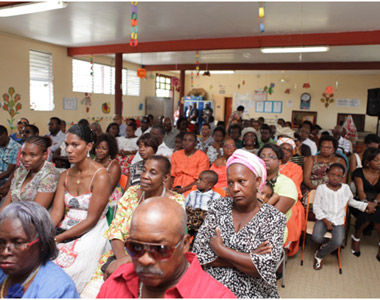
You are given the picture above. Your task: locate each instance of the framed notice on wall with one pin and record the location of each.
(70, 103)
(269, 107)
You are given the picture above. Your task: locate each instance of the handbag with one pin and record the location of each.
(66, 256)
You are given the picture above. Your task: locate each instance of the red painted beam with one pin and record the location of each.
(327, 39)
(368, 65)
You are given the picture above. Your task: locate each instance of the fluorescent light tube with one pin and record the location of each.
(29, 8)
(222, 72)
(295, 49)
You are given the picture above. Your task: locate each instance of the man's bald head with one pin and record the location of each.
(161, 211)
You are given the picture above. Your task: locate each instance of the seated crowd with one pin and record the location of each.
(151, 210)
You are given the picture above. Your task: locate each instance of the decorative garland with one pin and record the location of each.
(134, 28)
(261, 19)
(197, 62)
(12, 105)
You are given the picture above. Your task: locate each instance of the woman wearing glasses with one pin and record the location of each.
(26, 249)
(154, 176)
(240, 241)
(36, 179)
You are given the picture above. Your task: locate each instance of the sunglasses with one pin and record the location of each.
(156, 251)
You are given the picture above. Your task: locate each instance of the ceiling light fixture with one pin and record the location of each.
(295, 49)
(29, 8)
(222, 72)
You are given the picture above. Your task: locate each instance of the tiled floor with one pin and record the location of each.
(360, 277)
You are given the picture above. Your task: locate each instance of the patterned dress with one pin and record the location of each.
(267, 225)
(45, 181)
(119, 229)
(213, 154)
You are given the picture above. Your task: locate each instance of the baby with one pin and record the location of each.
(267, 195)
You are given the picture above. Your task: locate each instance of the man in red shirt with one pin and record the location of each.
(161, 266)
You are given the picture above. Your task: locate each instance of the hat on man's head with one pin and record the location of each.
(284, 131)
(250, 129)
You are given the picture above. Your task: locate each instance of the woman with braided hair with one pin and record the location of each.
(36, 179)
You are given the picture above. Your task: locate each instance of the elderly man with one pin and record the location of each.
(122, 127)
(161, 266)
(157, 131)
(170, 133)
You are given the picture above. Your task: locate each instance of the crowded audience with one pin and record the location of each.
(153, 206)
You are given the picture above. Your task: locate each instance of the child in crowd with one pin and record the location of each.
(267, 195)
(329, 209)
(196, 201)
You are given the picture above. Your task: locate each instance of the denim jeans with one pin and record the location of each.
(333, 244)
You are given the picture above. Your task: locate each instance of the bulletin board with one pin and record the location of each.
(274, 107)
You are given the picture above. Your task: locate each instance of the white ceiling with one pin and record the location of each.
(101, 23)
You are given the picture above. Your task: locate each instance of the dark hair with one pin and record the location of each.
(265, 127)
(34, 128)
(192, 133)
(307, 122)
(164, 161)
(221, 124)
(56, 119)
(160, 127)
(3, 130)
(110, 140)
(234, 126)
(36, 223)
(316, 126)
(371, 138)
(180, 119)
(84, 122)
(276, 149)
(133, 125)
(150, 116)
(325, 133)
(369, 155)
(336, 165)
(211, 175)
(221, 129)
(83, 132)
(297, 136)
(327, 138)
(149, 141)
(206, 124)
(111, 125)
(240, 108)
(44, 142)
(180, 136)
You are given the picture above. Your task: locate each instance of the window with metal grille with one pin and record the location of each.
(41, 81)
(103, 79)
(163, 86)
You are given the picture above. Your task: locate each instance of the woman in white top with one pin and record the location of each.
(128, 145)
(329, 209)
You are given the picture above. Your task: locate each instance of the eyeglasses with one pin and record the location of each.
(156, 251)
(270, 156)
(23, 123)
(17, 246)
(27, 131)
(227, 146)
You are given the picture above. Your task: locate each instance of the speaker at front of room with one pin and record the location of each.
(373, 102)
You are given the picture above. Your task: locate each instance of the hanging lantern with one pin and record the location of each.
(141, 73)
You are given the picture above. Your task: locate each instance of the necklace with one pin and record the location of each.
(142, 197)
(141, 284)
(19, 287)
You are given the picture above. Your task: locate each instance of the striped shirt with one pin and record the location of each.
(197, 199)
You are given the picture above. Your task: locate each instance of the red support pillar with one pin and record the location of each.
(118, 76)
(181, 92)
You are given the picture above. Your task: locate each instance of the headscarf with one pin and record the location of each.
(252, 162)
(286, 140)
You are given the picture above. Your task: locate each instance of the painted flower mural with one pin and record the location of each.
(12, 105)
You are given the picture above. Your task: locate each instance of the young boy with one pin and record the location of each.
(196, 201)
(329, 209)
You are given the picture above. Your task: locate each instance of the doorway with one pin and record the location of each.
(227, 108)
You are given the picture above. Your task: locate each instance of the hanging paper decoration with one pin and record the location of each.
(261, 20)
(306, 85)
(239, 86)
(197, 62)
(329, 90)
(92, 65)
(86, 101)
(106, 107)
(12, 105)
(211, 86)
(176, 83)
(134, 28)
(287, 91)
(243, 82)
(151, 76)
(327, 99)
(192, 79)
(270, 90)
(141, 73)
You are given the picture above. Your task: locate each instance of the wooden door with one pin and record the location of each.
(227, 108)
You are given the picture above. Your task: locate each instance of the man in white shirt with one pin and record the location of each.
(144, 126)
(170, 133)
(122, 127)
(158, 131)
(55, 133)
(305, 133)
(343, 144)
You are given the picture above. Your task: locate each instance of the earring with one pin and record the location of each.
(88, 153)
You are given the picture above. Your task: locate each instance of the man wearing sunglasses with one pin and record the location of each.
(161, 266)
